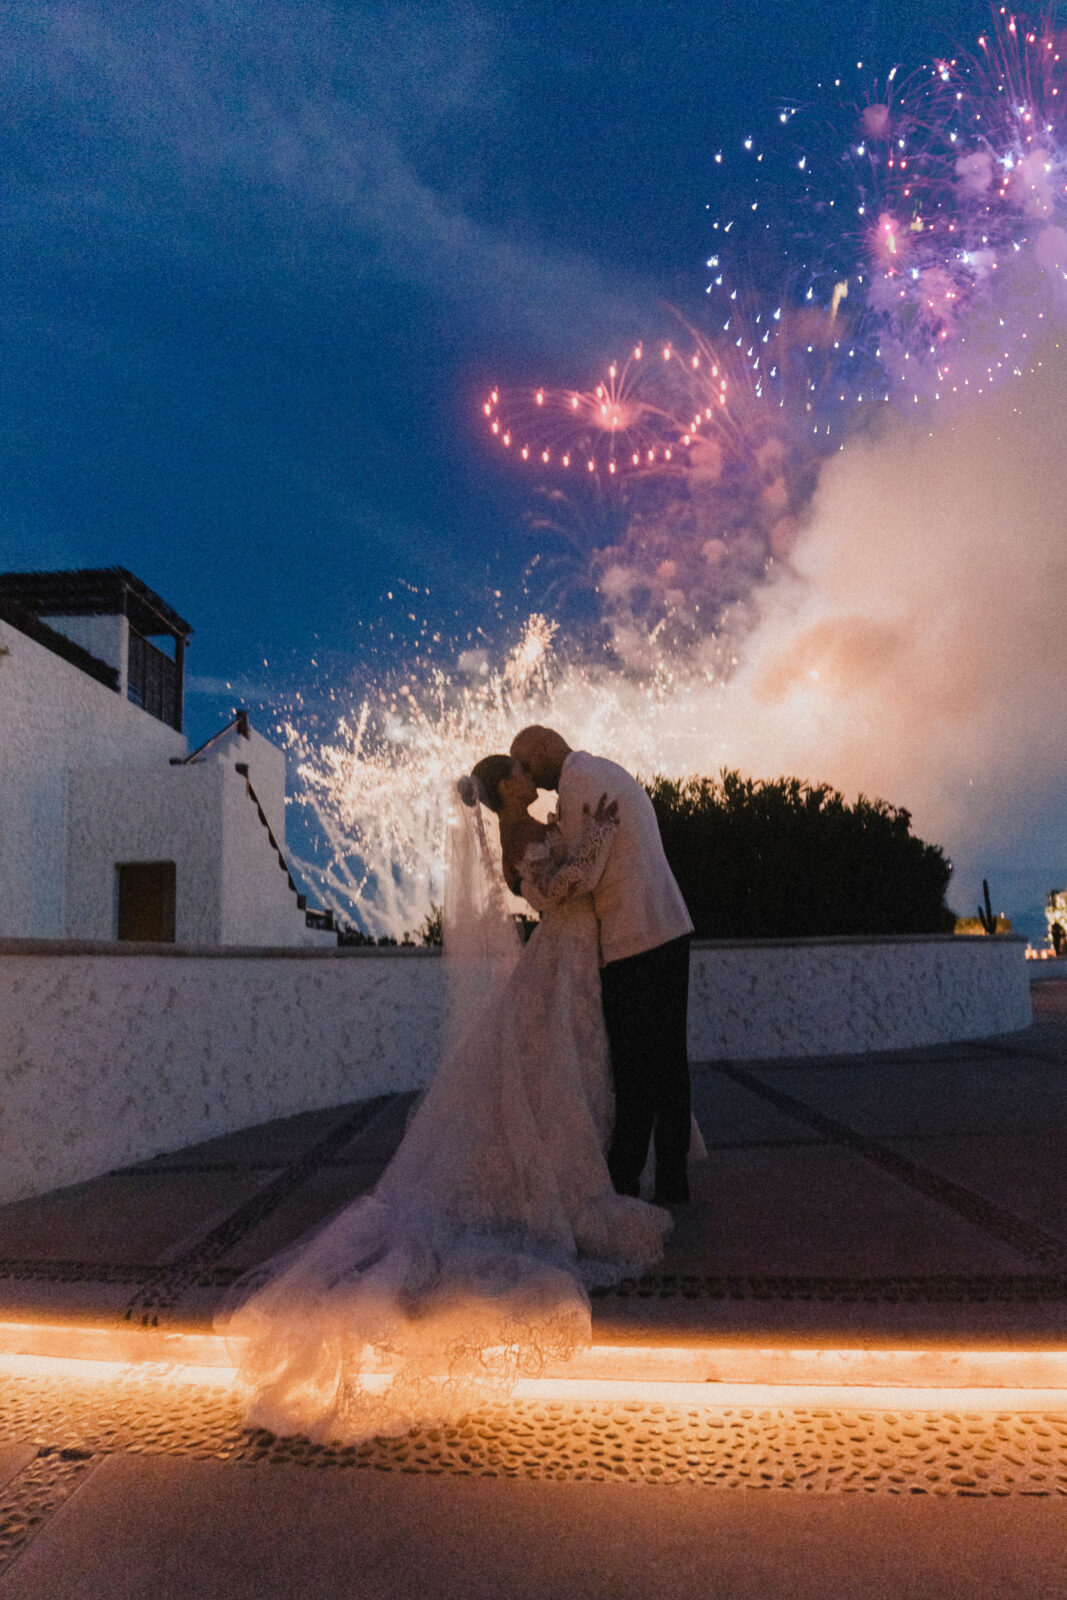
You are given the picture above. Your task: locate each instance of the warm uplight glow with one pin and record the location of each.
(942, 1378)
(790, 1396)
(91, 1371)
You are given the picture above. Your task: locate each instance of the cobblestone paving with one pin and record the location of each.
(75, 1423)
(36, 1493)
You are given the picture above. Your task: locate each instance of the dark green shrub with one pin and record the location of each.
(428, 934)
(349, 935)
(789, 859)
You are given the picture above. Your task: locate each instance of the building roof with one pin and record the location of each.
(94, 592)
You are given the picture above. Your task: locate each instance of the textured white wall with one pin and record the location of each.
(161, 813)
(107, 1059)
(230, 887)
(110, 1058)
(258, 906)
(835, 996)
(54, 717)
(86, 782)
(266, 770)
(107, 638)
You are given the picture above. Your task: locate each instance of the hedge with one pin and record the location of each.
(790, 859)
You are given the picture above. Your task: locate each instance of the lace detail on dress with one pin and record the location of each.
(557, 879)
(467, 1267)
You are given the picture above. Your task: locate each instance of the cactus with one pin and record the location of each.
(985, 916)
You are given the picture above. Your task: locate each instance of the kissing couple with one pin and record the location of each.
(516, 1186)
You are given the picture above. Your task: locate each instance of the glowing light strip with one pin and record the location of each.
(679, 1376)
(938, 1365)
(91, 1370)
(789, 1396)
(576, 1391)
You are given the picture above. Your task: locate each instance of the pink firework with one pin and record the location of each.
(646, 415)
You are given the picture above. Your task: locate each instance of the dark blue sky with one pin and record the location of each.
(259, 262)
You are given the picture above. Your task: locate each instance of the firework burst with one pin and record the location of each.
(914, 234)
(939, 187)
(641, 417)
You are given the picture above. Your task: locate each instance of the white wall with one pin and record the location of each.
(108, 1056)
(107, 1059)
(161, 813)
(266, 771)
(53, 717)
(107, 638)
(258, 906)
(230, 888)
(86, 782)
(814, 997)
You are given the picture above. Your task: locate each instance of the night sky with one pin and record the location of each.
(259, 264)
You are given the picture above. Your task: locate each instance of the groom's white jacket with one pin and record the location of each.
(638, 903)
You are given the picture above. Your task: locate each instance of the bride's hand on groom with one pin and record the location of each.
(607, 811)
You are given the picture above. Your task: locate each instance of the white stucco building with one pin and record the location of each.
(110, 828)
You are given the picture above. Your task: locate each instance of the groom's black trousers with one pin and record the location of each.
(646, 998)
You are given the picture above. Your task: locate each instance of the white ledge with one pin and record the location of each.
(206, 952)
(254, 952)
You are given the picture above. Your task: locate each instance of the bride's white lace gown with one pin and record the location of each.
(467, 1266)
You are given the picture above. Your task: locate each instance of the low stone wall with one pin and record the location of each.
(815, 997)
(110, 1054)
(108, 1057)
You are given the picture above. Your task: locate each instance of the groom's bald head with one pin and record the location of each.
(542, 751)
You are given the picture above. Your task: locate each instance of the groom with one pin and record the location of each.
(644, 961)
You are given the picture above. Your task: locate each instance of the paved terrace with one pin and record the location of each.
(870, 1289)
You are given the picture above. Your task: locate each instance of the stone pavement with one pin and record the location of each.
(851, 1209)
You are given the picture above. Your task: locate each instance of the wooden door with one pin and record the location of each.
(146, 899)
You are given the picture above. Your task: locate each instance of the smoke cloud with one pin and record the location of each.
(913, 650)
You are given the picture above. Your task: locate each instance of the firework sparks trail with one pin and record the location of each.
(380, 788)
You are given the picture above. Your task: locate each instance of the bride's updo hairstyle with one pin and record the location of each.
(483, 783)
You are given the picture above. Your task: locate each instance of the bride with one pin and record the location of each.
(467, 1267)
